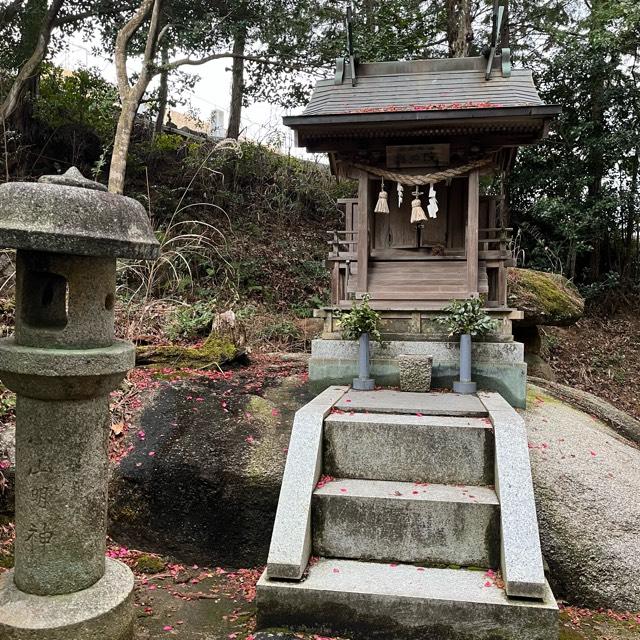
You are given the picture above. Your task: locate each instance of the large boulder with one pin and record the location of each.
(202, 480)
(545, 298)
(587, 482)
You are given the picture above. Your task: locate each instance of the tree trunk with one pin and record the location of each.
(369, 16)
(237, 87)
(30, 67)
(122, 139)
(632, 216)
(163, 92)
(595, 158)
(459, 34)
(130, 96)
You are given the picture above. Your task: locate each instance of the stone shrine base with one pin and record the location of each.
(104, 611)
(497, 366)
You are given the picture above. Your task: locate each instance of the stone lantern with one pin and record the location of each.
(62, 363)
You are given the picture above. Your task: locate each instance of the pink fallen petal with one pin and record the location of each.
(167, 627)
(343, 490)
(152, 453)
(488, 584)
(336, 570)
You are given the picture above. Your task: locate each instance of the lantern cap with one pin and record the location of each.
(70, 214)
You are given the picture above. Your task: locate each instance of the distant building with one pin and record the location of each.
(182, 121)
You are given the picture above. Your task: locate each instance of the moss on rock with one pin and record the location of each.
(148, 563)
(6, 561)
(216, 350)
(545, 298)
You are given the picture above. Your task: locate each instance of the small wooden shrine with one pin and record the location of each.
(429, 142)
(422, 137)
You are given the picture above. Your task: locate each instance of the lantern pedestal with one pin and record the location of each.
(103, 611)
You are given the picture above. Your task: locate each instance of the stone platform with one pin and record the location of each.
(413, 485)
(497, 366)
(398, 601)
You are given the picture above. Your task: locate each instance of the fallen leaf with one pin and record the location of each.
(117, 428)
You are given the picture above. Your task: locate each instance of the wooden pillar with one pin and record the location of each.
(473, 202)
(363, 232)
(502, 285)
(335, 283)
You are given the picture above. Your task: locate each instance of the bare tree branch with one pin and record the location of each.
(217, 56)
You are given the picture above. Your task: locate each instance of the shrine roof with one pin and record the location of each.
(422, 89)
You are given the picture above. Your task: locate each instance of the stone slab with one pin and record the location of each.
(376, 601)
(291, 538)
(406, 522)
(521, 555)
(510, 380)
(400, 402)
(104, 611)
(409, 448)
(504, 352)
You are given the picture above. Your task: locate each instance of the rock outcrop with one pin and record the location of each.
(203, 479)
(546, 299)
(587, 479)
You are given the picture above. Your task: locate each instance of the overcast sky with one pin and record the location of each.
(261, 121)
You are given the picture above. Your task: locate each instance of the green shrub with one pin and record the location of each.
(361, 319)
(467, 316)
(167, 143)
(284, 331)
(82, 100)
(192, 321)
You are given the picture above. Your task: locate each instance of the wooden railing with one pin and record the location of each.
(343, 252)
(495, 239)
(494, 256)
(342, 243)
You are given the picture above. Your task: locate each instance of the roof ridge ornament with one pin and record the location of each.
(351, 58)
(489, 51)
